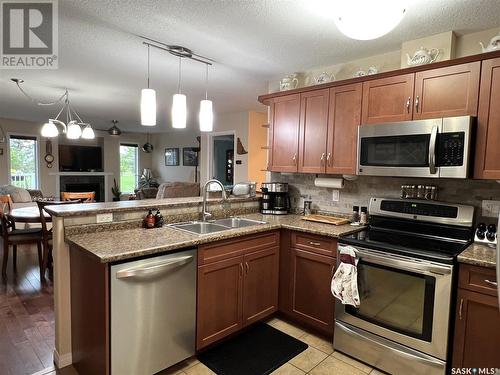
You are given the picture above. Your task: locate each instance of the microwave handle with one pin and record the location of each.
(432, 150)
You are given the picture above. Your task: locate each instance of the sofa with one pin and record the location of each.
(178, 190)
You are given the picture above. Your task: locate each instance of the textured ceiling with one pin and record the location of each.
(103, 63)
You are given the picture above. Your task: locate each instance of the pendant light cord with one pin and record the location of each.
(179, 80)
(206, 82)
(148, 67)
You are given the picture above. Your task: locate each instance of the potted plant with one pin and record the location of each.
(116, 191)
(147, 181)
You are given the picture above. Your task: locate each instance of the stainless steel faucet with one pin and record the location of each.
(205, 214)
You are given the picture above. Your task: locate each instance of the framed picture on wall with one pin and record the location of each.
(171, 157)
(190, 156)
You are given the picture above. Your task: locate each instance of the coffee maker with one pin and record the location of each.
(275, 198)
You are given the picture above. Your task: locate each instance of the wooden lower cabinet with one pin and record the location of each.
(220, 292)
(236, 292)
(311, 299)
(477, 320)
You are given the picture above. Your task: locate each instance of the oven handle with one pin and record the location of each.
(391, 260)
(432, 150)
(390, 348)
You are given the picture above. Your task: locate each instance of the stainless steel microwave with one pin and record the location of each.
(424, 148)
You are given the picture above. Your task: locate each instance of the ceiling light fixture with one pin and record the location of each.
(73, 125)
(368, 19)
(179, 109)
(148, 103)
(206, 116)
(114, 130)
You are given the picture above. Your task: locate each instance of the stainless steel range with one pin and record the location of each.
(405, 276)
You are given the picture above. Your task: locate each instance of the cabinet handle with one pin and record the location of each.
(247, 267)
(417, 103)
(494, 283)
(314, 243)
(460, 308)
(294, 159)
(408, 103)
(241, 269)
(322, 158)
(333, 270)
(329, 159)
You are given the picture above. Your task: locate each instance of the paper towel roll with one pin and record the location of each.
(332, 183)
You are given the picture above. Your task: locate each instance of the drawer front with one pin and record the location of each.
(317, 244)
(478, 279)
(221, 250)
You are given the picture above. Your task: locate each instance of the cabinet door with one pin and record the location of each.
(388, 99)
(447, 92)
(313, 130)
(311, 298)
(343, 120)
(488, 123)
(477, 331)
(284, 133)
(260, 285)
(220, 298)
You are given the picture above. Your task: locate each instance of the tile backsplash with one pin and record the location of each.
(359, 192)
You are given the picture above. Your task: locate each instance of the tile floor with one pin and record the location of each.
(318, 359)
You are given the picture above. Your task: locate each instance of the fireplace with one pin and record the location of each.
(79, 184)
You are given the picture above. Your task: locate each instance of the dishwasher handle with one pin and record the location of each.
(154, 268)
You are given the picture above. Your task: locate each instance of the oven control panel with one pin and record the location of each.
(450, 149)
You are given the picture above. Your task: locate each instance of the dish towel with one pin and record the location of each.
(345, 280)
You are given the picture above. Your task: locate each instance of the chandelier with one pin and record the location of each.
(73, 126)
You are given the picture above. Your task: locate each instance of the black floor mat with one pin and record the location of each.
(258, 351)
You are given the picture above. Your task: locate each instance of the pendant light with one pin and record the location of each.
(148, 104)
(206, 116)
(179, 110)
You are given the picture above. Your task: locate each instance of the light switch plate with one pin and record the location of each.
(490, 208)
(335, 195)
(104, 218)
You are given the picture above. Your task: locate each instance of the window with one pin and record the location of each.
(23, 161)
(129, 167)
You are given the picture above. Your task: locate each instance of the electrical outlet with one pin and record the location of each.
(335, 195)
(490, 208)
(104, 218)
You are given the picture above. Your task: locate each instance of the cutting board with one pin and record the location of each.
(327, 219)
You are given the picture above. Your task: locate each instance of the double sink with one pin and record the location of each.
(207, 227)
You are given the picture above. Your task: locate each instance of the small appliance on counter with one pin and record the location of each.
(275, 198)
(244, 190)
(486, 234)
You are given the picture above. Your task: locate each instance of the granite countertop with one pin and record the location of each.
(82, 209)
(117, 245)
(479, 255)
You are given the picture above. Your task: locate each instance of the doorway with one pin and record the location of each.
(223, 159)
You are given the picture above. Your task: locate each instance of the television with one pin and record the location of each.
(73, 158)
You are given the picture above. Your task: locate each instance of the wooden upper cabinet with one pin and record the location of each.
(260, 286)
(388, 99)
(313, 131)
(343, 120)
(284, 133)
(487, 164)
(447, 92)
(220, 300)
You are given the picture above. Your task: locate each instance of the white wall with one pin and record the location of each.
(180, 138)
(47, 182)
(227, 122)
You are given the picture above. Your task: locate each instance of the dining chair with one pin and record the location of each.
(12, 236)
(46, 238)
(86, 197)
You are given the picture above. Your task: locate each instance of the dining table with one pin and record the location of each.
(31, 214)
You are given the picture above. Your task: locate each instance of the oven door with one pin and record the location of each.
(405, 149)
(406, 300)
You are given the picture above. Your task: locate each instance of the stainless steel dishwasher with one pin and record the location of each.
(153, 313)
